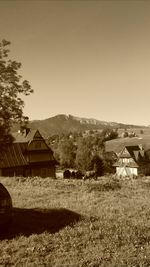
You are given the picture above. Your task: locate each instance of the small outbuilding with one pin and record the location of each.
(131, 161)
(28, 155)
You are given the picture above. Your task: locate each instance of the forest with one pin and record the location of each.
(84, 151)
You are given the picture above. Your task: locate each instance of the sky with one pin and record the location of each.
(85, 58)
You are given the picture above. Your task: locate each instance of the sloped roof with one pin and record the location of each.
(19, 138)
(13, 156)
(31, 135)
(136, 154)
(23, 138)
(132, 151)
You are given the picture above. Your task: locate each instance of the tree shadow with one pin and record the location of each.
(36, 221)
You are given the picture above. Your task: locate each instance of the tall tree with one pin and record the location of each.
(84, 154)
(66, 152)
(12, 86)
(97, 164)
(87, 147)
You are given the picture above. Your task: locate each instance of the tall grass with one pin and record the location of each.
(78, 223)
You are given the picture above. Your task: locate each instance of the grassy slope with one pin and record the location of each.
(113, 230)
(118, 144)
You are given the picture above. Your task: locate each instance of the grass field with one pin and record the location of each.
(78, 223)
(118, 144)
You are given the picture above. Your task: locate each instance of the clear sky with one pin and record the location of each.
(85, 58)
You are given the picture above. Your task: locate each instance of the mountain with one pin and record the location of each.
(67, 123)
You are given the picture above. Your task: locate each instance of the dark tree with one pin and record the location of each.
(84, 154)
(11, 88)
(109, 158)
(86, 148)
(97, 165)
(109, 134)
(66, 151)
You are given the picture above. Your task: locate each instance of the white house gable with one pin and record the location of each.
(127, 163)
(125, 153)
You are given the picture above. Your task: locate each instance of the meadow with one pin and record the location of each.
(78, 223)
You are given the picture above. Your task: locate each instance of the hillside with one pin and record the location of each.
(67, 123)
(118, 144)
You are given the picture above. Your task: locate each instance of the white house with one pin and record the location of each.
(131, 161)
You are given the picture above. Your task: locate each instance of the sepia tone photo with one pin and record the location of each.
(74, 133)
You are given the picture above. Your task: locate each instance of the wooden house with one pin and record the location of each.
(28, 155)
(131, 161)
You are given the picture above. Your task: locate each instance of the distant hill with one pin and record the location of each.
(67, 123)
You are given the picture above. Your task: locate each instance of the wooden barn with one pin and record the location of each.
(28, 155)
(132, 161)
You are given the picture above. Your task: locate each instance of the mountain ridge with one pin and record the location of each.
(63, 123)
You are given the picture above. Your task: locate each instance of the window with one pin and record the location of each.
(126, 160)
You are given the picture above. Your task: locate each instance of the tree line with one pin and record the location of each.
(84, 152)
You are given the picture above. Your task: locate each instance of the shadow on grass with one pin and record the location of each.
(35, 221)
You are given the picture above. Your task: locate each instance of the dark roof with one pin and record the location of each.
(131, 151)
(31, 134)
(19, 138)
(136, 155)
(13, 156)
(23, 138)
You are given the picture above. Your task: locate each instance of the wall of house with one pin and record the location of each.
(37, 144)
(134, 171)
(40, 156)
(14, 171)
(42, 172)
(126, 160)
(126, 171)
